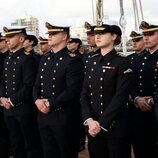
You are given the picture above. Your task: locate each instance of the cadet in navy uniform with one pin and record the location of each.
(138, 46)
(104, 96)
(44, 46)
(4, 141)
(145, 127)
(16, 96)
(1, 55)
(3, 46)
(56, 93)
(91, 42)
(74, 45)
(45, 49)
(30, 42)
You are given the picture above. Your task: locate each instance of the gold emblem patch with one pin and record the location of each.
(127, 71)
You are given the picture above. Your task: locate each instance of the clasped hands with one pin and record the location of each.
(43, 105)
(5, 103)
(142, 103)
(94, 127)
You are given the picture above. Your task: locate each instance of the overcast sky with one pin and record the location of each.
(72, 12)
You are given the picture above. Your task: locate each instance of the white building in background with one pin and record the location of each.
(80, 32)
(31, 23)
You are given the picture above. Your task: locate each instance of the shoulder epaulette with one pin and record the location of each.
(95, 55)
(72, 55)
(121, 55)
(26, 53)
(37, 53)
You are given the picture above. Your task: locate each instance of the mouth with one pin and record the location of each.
(98, 41)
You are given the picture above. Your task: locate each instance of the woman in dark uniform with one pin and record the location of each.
(104, 96)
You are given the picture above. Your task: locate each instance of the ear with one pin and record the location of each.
(77, 44)
(22, 38)
(65, 37)
(31, 42)
(114, 36)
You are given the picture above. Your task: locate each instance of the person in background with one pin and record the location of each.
(91, 42)
(138, 46)
(44, 46)
(4, 140)
(144, 88)
(74, 45)
(30, 42)
(3, 46)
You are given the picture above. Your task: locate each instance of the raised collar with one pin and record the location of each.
(108, 56)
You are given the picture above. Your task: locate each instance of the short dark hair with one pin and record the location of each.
(32, 38)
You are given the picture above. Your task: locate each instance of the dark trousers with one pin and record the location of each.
(101, 147)
(144, 134)
(145, 144)
(4, 138)
(59, 141)
(24, 137)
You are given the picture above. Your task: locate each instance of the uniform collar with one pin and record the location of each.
(142, 52)
(108, 56)
(153, 55)
(17, 53)
(60, 52)
(48, 53)
(32, 51)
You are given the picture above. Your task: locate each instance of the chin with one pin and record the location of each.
(99, 45)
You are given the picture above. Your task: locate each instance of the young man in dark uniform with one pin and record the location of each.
(16, 96)
(44, 46)
(144, 89)
(135, 59)
(4, 141)
(45, 49)
(91, 42)
(3, 46)
(138, 46)
(56, 93)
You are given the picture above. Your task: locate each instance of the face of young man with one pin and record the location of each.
(151, 40)
(104, 40)
(3, 44)
(55, 39)
(15, 41)
(72, 46)
(138, 44)
(91, 40)
(44, 47)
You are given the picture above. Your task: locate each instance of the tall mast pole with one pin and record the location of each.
(141, 9)
(93, 11)
(99, 11)
(123, 27)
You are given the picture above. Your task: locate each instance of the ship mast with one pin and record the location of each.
(123, 23)
(138, 13)
(99, 11)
